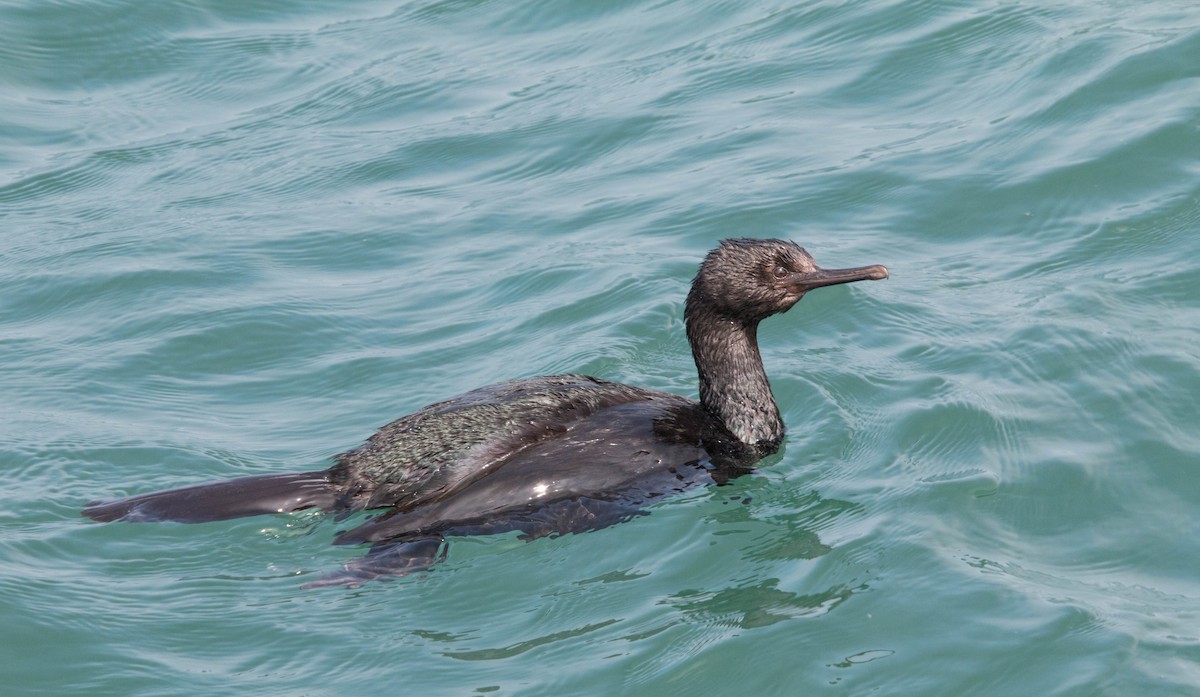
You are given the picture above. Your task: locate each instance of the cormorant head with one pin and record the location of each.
(747, 280)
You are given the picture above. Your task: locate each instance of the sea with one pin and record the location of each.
(238, 236)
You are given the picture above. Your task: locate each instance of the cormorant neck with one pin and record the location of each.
(733, 383)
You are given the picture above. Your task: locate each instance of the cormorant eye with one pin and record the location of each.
(780, 271)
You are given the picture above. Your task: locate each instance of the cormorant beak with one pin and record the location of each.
(803, 282)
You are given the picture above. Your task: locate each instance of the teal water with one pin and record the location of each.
(240, 236)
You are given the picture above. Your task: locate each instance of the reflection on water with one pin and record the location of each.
(758, 605)
(522, 646)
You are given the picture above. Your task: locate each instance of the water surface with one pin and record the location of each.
(241, 236)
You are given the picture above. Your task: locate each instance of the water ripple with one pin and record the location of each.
(243, 235)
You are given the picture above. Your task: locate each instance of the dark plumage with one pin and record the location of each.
(545, 455)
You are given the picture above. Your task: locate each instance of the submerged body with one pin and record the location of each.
(546, 455)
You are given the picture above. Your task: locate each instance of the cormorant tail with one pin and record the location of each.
(234, 498)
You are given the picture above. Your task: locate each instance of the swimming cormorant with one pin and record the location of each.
(544, 455)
